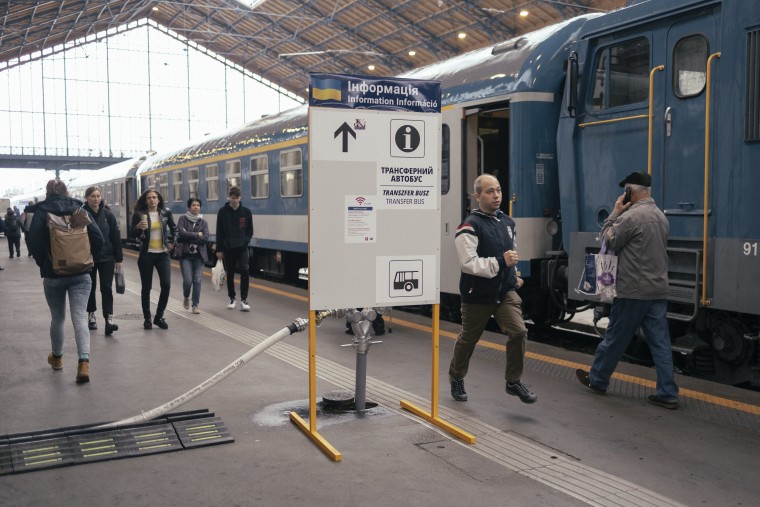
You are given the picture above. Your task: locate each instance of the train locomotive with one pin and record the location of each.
(559, 116)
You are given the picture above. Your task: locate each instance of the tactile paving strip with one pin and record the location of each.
(27, 452)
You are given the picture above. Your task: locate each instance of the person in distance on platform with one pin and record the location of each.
(13, 232)
(234, 230)
(153, 225)
(192, 232)
(2, 231)
(488, 284)
(26, 223)
(638, 231)
(57, 287)
(105, 261)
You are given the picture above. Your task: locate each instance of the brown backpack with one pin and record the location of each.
(70, 243)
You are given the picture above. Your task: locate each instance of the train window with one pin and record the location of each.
(109, 193)
(122, 199)
(212, 182)
(622, 75)
(752, 90)
(690, 66)
(163, 185)
(192, 182)
(177, 183)
(445, 157)
(233, 174)
(260, 177)
(151, 182)
(291, 173)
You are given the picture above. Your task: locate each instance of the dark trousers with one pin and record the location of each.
(103, 270)
(14, 241)
(145, 263)
(234, 260)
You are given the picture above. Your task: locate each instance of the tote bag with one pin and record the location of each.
(599, 276)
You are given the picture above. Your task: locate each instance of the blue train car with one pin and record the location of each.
(559, 116)
(673, 88)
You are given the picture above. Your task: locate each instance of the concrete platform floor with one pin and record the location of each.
(572, 447)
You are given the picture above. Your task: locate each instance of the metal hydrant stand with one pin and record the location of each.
(361, 323)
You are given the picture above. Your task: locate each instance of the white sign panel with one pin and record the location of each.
(374, 195)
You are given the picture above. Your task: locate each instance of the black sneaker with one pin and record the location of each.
(656, 400)
(92, 324)
(147, 324)
(583, 379)
(457, 389)
(160, 322)
(521, 390)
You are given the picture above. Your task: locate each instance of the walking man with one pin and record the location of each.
(638, 231)
(488, 284)
(234, 230)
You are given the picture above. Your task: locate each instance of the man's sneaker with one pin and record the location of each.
(196, 310)
(656, 400)
(91, 323)
(232, 304)
(244, 306)
(147, 324)
(521, 390)
(83, 371)
(586, 381)
(55, 362)
(160, 322)
(457, 389)
(186, 303)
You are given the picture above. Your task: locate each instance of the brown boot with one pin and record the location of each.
(55, 362)
(83, 371)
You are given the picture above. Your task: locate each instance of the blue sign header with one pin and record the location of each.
(366, 92)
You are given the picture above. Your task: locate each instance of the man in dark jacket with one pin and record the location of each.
(57, 287)
(488, 286)
(234, 230)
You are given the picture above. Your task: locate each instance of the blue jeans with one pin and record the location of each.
(626, 317)
(192, 274)
(78, 289)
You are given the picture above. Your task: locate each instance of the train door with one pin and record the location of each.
(486, 144)
(689, 43)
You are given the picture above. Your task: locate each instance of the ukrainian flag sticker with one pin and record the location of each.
(326, 89)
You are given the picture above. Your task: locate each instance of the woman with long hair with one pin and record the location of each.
(153, 225)
(191, 251)
(105, 261)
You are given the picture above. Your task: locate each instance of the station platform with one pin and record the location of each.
(572, 447)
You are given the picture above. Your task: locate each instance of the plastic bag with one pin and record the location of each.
(218, 276)
(118, 276)
(599, 276)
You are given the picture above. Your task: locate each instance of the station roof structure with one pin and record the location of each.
(283, 40)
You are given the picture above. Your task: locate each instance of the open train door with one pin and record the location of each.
(689, 44)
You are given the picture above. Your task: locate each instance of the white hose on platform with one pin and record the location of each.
(298, 325)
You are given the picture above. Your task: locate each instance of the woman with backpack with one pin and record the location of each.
(153, 226)
(191, 251)
(58, 287)
(105, 261)
(13, 232)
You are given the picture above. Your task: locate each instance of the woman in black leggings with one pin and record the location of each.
(153, 225)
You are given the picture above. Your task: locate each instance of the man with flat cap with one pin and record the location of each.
(638, 232)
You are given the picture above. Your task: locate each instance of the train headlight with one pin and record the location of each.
(552, 227)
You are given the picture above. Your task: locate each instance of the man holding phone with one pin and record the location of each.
(638, 231)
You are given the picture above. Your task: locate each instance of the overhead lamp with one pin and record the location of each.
(461, 35)
(371, 67)
(155, 8)
(524, 13)
(412, 52)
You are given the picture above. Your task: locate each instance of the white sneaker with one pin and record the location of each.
(244, 306)
(196, 310)
(186, 303)
(232, 304)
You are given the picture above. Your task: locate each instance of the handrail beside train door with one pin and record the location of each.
(704, 301)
